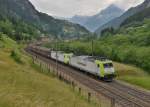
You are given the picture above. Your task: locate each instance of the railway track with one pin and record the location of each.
(132, 91)
(124, 95)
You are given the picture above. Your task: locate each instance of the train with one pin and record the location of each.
(100, 67)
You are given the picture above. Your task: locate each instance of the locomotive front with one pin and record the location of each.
(106, 69)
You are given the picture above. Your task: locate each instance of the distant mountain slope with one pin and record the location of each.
(24, 10)
(93, 22)
(79, 19)
(103, 17)
(115, 23)
(137, 18)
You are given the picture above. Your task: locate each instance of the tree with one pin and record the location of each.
(108, 31)
(0, 36)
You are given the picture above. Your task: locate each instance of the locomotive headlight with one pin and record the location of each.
(109, 70)
(113, 70)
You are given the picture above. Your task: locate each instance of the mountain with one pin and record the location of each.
(93, 22)
(25, 11)
(137, 18)
(79, 19)
(115, 23)
(103, 17)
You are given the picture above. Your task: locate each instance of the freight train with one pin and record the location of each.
(98, 66)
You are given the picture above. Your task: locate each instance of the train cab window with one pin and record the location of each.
(98, 65)
(108, 65)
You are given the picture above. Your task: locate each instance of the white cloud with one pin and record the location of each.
(125, 4)
(67, 8)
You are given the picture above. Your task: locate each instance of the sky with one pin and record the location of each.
(69, 8)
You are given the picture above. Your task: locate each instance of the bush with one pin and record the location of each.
(16, 56)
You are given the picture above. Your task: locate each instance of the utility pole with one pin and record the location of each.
(92, 48)
(56, 54)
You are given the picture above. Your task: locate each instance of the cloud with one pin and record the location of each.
(67, 8)
(126, 4)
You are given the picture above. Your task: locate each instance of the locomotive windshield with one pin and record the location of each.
(108, 65)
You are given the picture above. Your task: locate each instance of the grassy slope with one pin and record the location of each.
(23, 86)
(132, 75)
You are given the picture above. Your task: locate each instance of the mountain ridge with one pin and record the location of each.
(24, 10)
(137, 19)
(115, 23)
(93, 22)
